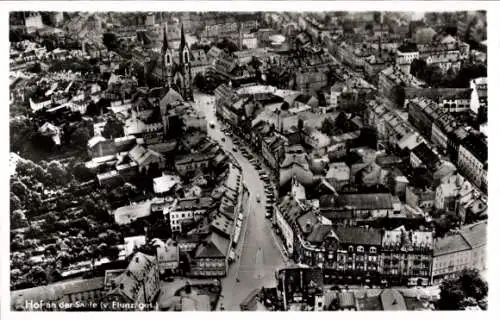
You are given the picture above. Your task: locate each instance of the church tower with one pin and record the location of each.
(185, 68)
(168, 60)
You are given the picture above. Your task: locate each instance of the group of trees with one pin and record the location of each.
(208, 83)
(112, 129)
(434, 76)
(110, 40)
(339, 125)
(71, 226)
(468, 289)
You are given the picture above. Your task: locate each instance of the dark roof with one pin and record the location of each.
(408, 47)
(424, 153)
(438, 93)
(366, 201)
(290, 209)
(214, 246)
(307, 221)
(359, 236)
(477, 146)
(319, 233)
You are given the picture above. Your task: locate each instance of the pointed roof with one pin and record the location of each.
(183, 41)
(164, 48)
(171, 98)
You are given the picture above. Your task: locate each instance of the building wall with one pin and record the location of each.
(286, 230)
(209, 267)
(406, 57)
(470, 166)
(353, 258)
(402, 266)
(191, 166)
(438, 137)
(178, 217)
(448, 265)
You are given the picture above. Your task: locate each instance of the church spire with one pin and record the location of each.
(164, 48)
(183, 39)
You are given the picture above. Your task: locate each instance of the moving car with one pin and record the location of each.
(258, 198)
(223, 139)
(212, 125)
(235, 149)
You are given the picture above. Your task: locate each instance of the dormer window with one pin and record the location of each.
(360, 249)
(351, 248)
(373, 250)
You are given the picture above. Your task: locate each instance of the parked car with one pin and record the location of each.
(223, 139)
(258, 198)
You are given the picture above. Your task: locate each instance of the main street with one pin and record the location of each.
(259, 251)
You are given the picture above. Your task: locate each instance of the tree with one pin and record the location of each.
(59, 175)
(80, 136)
(91, 209)
(18, 219)
(482, 115)
(227, 46)
(37, 276)
(81, 172)
(112, 129)
(110, 40)
(417, 67)
(328, 127)
(433, 75)
(457, 293)
(21, 132)
(20, 190)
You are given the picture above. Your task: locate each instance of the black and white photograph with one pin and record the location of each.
(205, 160)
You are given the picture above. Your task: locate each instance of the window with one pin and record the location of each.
(168, 59)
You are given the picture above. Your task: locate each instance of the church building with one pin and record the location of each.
(173, 67)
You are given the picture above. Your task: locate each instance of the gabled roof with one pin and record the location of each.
(359, 236)
(476, 234)
(424, 153)
(290, 209)
(450, 244)
(171, 98)
(319, 232)
(214, 246)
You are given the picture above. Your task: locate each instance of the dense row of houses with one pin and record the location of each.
(371, 255)
(467, 148)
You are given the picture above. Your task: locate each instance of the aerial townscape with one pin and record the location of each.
(248, 161)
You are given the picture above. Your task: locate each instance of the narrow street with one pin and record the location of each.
(258, 251)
